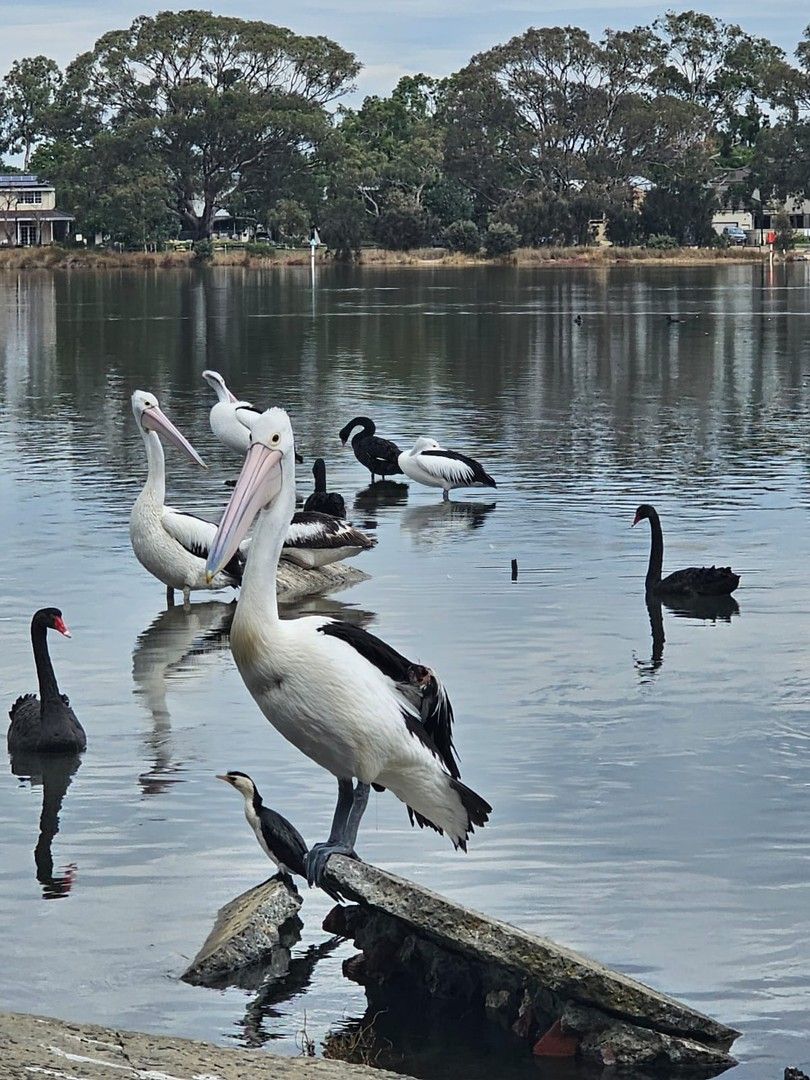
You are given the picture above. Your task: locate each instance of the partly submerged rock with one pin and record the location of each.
(420, 947)
(295, 581)
(251, 938)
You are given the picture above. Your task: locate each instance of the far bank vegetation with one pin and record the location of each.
(520, 154)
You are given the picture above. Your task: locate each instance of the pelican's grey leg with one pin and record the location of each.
(348, 812)
(169, 596)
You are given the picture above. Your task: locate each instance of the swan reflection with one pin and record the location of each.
(54, 772)
(173, 646)
(712, 609)
(375, 497)
(436, 523)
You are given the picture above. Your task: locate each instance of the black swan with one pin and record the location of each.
(321, 500)
(380, 456)
(45, 724)
(694, 580)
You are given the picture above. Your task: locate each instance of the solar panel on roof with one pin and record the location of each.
(18, 180)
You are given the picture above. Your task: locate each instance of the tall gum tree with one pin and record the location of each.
(218, 99)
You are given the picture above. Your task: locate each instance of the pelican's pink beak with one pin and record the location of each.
(258, 484)
(154, 419)
(60, 625)
(231, 397)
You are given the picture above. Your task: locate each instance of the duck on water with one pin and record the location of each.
(344, 697)
(45, 724)
(694, 580)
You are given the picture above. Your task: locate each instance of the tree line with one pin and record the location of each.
(160, 124)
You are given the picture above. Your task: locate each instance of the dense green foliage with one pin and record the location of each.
(539, 138)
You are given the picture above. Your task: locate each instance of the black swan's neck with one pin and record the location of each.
(319, 472)
(656, 551)
(48, 689)
(368, 429)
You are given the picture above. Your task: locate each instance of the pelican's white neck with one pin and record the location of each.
(259, 579)
(155, 485)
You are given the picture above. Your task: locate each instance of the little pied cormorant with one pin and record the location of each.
(278, 838)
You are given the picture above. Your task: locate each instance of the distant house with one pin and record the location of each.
(748, 211)
(28, 213)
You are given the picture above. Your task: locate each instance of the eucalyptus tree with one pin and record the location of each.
(27, 97)
(221, 102)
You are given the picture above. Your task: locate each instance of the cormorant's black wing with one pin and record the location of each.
(284, 840)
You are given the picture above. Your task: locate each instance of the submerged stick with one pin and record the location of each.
(514, 569)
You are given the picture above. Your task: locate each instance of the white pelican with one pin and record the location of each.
(171, 545)
(344, 697)
(314, 538)
(231, 419)
(429, 463)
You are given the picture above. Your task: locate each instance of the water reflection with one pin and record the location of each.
(384, 493)
(327, 606)
(711, 609)
(54, 772)
(173, 645)
(436, 523)
(290, 977)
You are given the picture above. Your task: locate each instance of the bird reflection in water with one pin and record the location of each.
(172, 646)
(712, 609)
(54, 772)
(376, 497)
(326, 606)
(436, 523)
(277, 988)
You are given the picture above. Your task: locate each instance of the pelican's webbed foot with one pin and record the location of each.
(317, 858)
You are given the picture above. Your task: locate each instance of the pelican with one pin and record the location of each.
(429, 463)
(314, 538)
(171, 545)
(344, 697)
(231, 419)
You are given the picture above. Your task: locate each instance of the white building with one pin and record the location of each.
(28, 213)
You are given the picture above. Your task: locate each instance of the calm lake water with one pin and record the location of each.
(650, 803)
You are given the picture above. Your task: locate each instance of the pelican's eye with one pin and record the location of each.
(275, 438)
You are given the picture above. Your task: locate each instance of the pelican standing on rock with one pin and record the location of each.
(345, 698)
(429, 463)
(171, 545)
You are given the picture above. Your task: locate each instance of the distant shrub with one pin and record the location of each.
(259, 247)
(661, 242)
(462, 236)
(785, 237)
(402, 224)
(501, 238)
(203, 250)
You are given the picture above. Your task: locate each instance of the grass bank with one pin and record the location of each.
(58, 258)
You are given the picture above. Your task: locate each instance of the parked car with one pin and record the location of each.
(735, 234)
